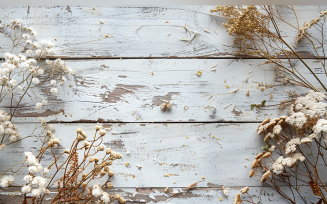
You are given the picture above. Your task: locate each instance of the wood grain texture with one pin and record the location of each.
(195, 196)
(142, 31)
(126, 91)
(163, 149)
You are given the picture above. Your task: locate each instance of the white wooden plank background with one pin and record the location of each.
(109, 90)
(164, 149)
(112, 90)
(140, 31)
(198, 195)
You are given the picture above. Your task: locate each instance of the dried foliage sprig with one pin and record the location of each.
(21, 74)
(295, 149)
(75, 173)
(256, 32)
(73, 170)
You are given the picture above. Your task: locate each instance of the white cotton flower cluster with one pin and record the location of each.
(278, 166)
(31, 66)
(297, 119)
(225, 191)
(53, 141)
(6, 181)
(39, 105)
(308, 105)
(7, 129)
(36, 185)
(320, 127)
(291, 145)
(96, 190)
(305, 124)
(265, 126)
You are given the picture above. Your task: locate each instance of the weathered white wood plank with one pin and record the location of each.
(140, 31)
(164, 149)
(197, 195)
(126, 90)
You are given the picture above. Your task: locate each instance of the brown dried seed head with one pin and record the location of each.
(117, 155)
(67, 151)
(108, 151)
(84, 175)
(244, 190)
(254, 164)
(106, 169)
(280, 122)
(49, 132)
(80, 137)
(98, 127)
(110, 185)
(169, 105)
(102, 173)
(163, 106)
(91, 159)
(265, 176)
(84, 185)
(120, 199)
(50, 143)
(83, 134)
(47, 191)
(102, 132)
(79, 130)
(267, 137)
(251, 173)
(96, 159)
(110, 173)
(237, 199)
(266, 155)
(259, 155)
(265, 121)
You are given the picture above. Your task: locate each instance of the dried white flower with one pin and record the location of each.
(96, 190)
(26, 189)
(38, 106)
(35, 81)
(54, 91)
(53, 82)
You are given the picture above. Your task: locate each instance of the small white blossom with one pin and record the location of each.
(44, 102)
(96, 190)
(105, 197)
(45, 170)
(38, 106)
(54, 91)
(53, 82)
(36, 192)
(6, 181)
(26, 189)
(35, 81)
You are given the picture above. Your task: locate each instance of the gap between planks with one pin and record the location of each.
(170, 57)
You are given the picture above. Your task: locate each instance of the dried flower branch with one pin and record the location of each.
(300, 141)
(257, 34)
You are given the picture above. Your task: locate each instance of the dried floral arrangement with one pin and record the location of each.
(295, 144)
(73, 170)
(295, 147)
(256, 33)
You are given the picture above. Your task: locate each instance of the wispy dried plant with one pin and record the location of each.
(80, 168)
(295, 150)
(72, 171)
(21, 75)
(256, 31)
(296, 144)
